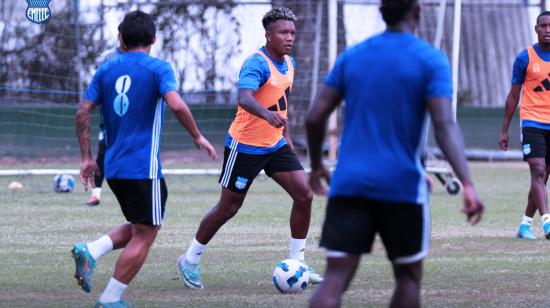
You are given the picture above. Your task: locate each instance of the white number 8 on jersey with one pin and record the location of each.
(122, 86)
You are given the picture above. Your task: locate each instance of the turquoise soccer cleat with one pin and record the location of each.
(525, 232)
(190, 274)
(314, 278)
(546, 228)
(85, 264)
(119, 304)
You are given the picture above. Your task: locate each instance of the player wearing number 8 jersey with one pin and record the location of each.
(258, 139)
(131, 90)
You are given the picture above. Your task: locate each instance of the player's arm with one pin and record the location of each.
(510, 107)
(450, 140)
(247, 101)
(83, 121)
(185, 118)
(316, 123)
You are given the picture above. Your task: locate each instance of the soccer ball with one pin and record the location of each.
(290, 276)
(63, 183)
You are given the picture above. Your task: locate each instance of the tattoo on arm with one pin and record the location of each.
(83, 123)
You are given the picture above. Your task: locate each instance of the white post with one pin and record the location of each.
(456, 52)
(78, 48)
(440, 23)
(332, 44)
(316, 52)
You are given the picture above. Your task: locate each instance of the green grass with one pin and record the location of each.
(466, 267)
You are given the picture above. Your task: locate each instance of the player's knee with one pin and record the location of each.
(538, 172)
(227, 211)
(305, 198)
(145, 233)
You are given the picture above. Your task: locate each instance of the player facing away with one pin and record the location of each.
(389, 82)
(95, 197)
(259, 139)
(530, 74)
(131, 90)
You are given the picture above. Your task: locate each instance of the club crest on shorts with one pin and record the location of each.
(240, 183)
(38, 11)
(526, 149)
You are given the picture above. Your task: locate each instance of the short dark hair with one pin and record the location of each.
(393, 11)
(137, 29)
(278, 13)
(545, 13)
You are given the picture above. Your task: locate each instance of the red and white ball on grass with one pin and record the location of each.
(15, 185)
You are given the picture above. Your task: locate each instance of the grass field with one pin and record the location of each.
(481, 266)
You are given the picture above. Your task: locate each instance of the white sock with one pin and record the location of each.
(545, 218)
(527, 220)
(194, 252)
(96, 192)
(100, 247)
(113, 291)
(297, 248)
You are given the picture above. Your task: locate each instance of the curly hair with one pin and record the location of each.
(278, 13)
(393, 11)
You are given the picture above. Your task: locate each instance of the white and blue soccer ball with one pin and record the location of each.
(290, 276)
(63, 183)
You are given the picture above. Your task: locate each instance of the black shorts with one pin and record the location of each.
(240, 169)
(352, 223)
(535, 142)
(141, 201)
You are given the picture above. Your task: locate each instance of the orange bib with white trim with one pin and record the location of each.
(535, 105)
(251, 130)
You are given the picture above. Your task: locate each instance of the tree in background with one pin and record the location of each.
(199, 38)
(45, 56)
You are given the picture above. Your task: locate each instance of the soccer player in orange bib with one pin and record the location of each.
(530, 72)
(258, 139)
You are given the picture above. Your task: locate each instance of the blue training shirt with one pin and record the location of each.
(105, 57)
(255, 70)
(254, 74)
(129, 90)
(386, 81)
(522, 61)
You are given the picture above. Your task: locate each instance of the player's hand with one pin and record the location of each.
(203, 143)
(87, 169)
(503, 141)
(473, 207)
(315, 180)
(430, 182)
(275, 119)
